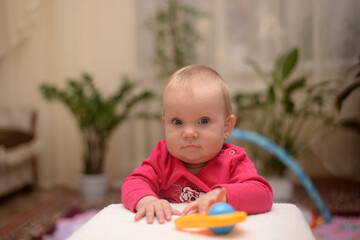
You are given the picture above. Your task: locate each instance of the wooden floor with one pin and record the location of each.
(21, 202)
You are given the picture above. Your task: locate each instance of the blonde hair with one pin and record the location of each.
(193, 75)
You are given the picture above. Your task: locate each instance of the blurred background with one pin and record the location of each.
(52, 41)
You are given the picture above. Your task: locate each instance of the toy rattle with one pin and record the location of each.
(221, 219)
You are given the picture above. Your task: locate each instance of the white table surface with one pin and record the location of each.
(114, 222)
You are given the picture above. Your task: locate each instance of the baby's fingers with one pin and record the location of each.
(165, 212)
(191, 206)
(150, 214)
(145, 212)
(161, 213)
(176, 212)
(221, 197)
(159, 208)
(140, 214)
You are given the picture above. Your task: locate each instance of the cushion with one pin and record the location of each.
(12, 138)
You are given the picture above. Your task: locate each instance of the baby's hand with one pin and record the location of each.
(151, 206)
(203, 203)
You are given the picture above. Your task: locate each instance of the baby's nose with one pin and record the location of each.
(190, 132)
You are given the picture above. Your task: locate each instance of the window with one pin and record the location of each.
(326, 32)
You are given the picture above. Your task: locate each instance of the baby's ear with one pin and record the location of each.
(229, 125)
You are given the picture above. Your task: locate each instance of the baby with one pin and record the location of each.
(193, 164)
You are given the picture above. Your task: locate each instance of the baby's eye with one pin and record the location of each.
(177, 122)
(204, 121)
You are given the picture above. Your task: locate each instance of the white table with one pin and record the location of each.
(284, 221)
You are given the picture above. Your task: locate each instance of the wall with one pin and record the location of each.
(63, 38)
(67, 38)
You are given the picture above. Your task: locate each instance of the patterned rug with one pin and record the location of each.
(340, 228)
(64, 203)
(342, 198)
(67, 208)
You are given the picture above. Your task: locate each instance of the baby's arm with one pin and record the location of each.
(203, 203)
(151, 206)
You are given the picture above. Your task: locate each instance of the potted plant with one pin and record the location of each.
(343, 142)
(175, 35)
(97, 117)
(289, 111)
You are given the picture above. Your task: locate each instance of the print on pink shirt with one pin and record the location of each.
(182, 193)
(189, 194)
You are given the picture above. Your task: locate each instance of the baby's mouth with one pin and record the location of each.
(191, 146)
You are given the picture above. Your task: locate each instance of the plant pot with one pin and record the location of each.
(283, 188)
(94, 186)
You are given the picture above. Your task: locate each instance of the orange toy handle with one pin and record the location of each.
(202, 220)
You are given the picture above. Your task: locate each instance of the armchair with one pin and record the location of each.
(18, 148)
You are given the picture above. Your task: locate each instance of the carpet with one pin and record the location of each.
(340, 228)
(342, 198)
(65, 227)
(41, 221)
(65, 210)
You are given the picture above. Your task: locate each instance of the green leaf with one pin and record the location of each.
(257, 68)
(271, 95)
(345, 94)
(87, 77)
(124, 89)
(289, 63)
(350, 123)
(297, 84)
(294, 86)
(276, 72)
(48, 91)
(248, 101)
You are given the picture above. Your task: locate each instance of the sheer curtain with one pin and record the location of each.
(327, 33)
(17, 17)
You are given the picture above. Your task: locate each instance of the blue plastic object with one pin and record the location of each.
(288, 161)
(221, 208)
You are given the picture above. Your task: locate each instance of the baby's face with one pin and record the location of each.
(195, 123)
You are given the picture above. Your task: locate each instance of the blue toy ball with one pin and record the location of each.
(221, 208)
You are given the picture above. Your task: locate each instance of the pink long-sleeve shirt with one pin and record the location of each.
(166, 177)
